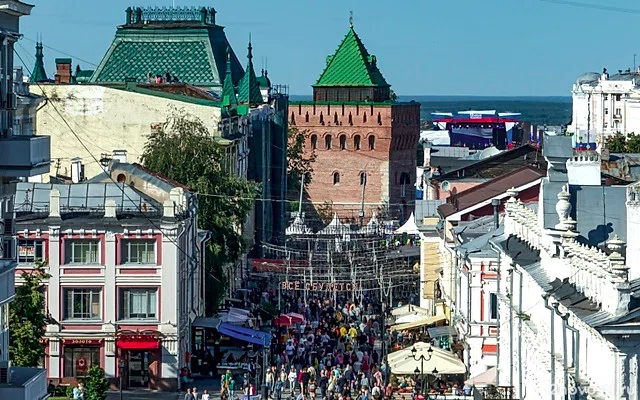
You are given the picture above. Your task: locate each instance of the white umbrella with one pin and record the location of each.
(404, 362)
(403, 319)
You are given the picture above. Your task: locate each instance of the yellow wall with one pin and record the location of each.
(431, 259)
(105, 119)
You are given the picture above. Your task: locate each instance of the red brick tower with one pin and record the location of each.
(365, 143)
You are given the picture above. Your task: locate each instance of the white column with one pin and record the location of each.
(54, 295)
(54, 358)
(110, 288)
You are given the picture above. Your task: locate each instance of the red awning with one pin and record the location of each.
(138, 342)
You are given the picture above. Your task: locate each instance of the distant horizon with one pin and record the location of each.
(561, 99)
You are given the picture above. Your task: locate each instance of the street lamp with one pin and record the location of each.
(422, 359)
(121, 368)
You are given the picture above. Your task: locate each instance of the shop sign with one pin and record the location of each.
(82, 342)
(320, 286)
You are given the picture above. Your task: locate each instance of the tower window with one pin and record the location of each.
(364, 117)
(314, 142)
(379, 119)
(293, 119)
(327, 142)
(336, 178)
(335, 118)
(343, 142)
(356, 142)
(372, 142)
(350, 119)
(363, 178)
(321, 119)
(306, 117)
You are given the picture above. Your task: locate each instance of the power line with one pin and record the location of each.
(62, 52)
(593, 6)
(121, 188)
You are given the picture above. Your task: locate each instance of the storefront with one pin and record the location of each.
(139, 358)
(78, 356)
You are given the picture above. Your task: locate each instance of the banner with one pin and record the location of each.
(320, 286)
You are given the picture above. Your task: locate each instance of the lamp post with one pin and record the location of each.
(422, 359)
(121, 369)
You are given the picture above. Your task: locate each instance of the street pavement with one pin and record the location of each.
(211, 384)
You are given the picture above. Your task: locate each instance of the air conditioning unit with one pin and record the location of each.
(5, 372)
(445, 185)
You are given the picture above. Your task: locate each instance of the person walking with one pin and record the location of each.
(205, 395)
(292, 380)
(278, 389)
(189, 395)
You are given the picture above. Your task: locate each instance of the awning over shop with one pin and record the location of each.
(409, 309)
(138, 341)
(245, 334)
(442, 331)
(402, 362)
(206, 322)
(486, 378)
(420, 323)
(289, 319)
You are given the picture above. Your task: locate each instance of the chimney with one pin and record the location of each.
(168, 209)
(63, 70)
(496, 216)
(54, 203)
(120, 156)
(77, 170)
(110, 208)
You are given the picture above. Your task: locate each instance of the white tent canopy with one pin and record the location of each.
(485, 378)
(373, 226)
(298, 227)
(235, 316)
(411, 317)
(402, 362)
(409, 227)
(409, 309)
(335, 227)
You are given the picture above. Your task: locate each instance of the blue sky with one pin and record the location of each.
(423, 47)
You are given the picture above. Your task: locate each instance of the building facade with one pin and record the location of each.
(22, 155)
(126, 273)
(365, 143)
(605, 104)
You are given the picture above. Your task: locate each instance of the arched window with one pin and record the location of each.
(327, 142)
(336, 178)
(350, 119)
(356, 142)
(306, 117)
(314, 142)
(363, 178)
(364, 117)
(343, 142)
(372, 142)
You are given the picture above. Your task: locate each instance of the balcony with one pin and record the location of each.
(24, 156)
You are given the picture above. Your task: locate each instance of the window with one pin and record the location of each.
(138, 304)
(493, 306)
(81, 251)
(78, 360)
(404, 182)
(618, 97)
(343, 142)
(30, 250)
(81, 304)
(605, 97)
(363, 178)
(356, 142)
(327, 142)
(618, 112)
(336, 178)
(372, 142)
(314, 142)
(138, 251)
(606, 111)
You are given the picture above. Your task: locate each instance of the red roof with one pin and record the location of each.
(488, 190)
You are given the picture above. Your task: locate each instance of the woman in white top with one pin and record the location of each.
(205, 395)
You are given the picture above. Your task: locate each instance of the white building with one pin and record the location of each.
(126, 282)
(605, 104)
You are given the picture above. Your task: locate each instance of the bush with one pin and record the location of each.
(97, 385)
(69, 391)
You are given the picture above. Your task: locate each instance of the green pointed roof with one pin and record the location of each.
(228, 92)
(249, 88)
(351, 65)
(39, 74)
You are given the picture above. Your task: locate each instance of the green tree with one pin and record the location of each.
(184, 150)
(298, 161)
(392, 95)
(96, 384)
(28, 319)
(616, 143)
(632, 143)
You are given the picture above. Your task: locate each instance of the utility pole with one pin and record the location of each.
(634, 62)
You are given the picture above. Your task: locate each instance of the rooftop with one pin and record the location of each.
(351, 65)
(186, 42)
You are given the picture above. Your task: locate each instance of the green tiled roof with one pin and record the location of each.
(83, 76)
(194, 55)
(249, 88)
(39, 74)
(228, 92)
(351, 65)
(263, 80)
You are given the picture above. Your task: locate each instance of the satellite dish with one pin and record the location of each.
(445, 185)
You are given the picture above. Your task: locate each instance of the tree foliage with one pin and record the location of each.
(298, 161)
(620, 143)
(392, 95)
(28, 319)
(97, 385)
(184, 150)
